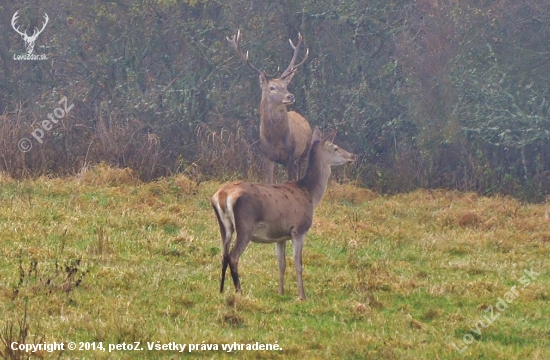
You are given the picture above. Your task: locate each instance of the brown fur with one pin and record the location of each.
(267, 213)
(284, 135)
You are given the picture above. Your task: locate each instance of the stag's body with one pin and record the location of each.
(284, 135)
(275, 213)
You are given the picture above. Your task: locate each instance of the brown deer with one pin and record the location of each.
(275, 213)
(284, 135)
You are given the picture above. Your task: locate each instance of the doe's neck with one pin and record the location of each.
(315, 180)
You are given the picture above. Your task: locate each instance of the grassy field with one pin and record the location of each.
(427, 275)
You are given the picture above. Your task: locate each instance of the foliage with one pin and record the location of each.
(428, 93)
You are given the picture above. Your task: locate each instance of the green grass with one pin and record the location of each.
(102, 258)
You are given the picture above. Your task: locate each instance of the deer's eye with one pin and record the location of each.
(336, 149)
(272, 88)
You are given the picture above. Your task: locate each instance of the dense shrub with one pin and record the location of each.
(436, 94)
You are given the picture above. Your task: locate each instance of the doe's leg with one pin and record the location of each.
(280, 247)
(226, 232)
(297, 245)
(244, 234)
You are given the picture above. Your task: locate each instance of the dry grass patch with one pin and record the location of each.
(404, 276)
(103, 174)
(349, 193)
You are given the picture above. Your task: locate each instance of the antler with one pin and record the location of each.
(235, 41)
(13, 21)
(35, 33)
(291, 67)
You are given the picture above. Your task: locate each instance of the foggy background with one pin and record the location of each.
(432, 94)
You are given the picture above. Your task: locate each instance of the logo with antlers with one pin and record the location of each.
(29, 40)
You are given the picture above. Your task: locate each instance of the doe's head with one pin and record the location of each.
(330, 152)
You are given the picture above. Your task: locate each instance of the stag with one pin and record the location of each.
(275, 213)
(29, 40)
(285, 135)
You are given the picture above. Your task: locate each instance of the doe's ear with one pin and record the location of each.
(316, 135)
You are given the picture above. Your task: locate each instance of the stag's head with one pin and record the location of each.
(275, 92)
(274, 88)
(29, 40)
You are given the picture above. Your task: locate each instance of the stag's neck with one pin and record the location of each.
(315, 180)
(274, 121)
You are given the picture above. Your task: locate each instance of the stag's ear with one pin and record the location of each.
(287, 79)
(316, 135)
(263, 80)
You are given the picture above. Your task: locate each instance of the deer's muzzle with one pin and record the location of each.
(289, 99)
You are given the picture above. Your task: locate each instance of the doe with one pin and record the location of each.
(267, 213)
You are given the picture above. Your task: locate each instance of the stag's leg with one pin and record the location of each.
(280, 247)
(291, 169)
(299, 168)
(297, 245)
(270, 167)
